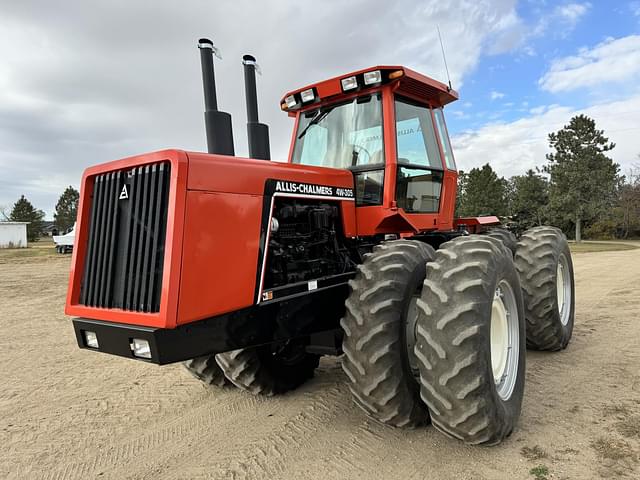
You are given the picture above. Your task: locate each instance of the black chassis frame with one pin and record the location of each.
(294, 313)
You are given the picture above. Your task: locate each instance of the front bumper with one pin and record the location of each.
(167, 346)
(301, 315)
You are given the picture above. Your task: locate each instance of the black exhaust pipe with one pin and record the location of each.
(258, 133)
(217, 123)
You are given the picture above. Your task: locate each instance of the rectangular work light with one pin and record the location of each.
(371, 78)
(349, 83)
(290, 101)
(307, 95)
(140, 348)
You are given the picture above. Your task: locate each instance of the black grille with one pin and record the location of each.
(125, 252)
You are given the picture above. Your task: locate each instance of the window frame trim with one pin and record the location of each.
(448, 140)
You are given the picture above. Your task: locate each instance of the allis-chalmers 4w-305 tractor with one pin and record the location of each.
(249, 270)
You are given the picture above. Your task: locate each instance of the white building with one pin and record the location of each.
(13, 234)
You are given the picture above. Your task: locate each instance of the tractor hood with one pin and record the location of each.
(154, 230)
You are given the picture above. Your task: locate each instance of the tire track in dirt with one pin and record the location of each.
(199, 420)
(251, 450)
(267, 456)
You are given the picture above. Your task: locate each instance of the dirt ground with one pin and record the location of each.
(69, 413)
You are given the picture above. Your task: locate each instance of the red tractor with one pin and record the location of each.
(249, 270)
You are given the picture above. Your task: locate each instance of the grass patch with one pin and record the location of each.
(540, 472)
(41, 250)
(613, 449)
(533, 453)
(587, 247)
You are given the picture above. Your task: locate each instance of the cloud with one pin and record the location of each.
(80, 85)
(613, 61)
(572, 12)
(512, 148)
(561, 20)
(494, 95)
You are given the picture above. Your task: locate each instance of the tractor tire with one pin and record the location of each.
(379, 333)
(543, 261)
(269, 369)
(470, 341)
(207, 370)
(505, 236)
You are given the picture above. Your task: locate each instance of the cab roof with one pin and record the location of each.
(409, 81)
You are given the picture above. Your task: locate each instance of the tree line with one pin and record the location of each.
(64, 216)
(579, 189)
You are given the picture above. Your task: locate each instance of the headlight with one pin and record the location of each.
(91, 339)
(140, 348)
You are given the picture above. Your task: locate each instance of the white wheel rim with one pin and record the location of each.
(505, 340)
(563, 289)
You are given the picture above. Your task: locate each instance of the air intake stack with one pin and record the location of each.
(217, 123)
(258, 133)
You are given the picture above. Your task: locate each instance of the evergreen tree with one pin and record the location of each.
(23, 211)
(583, 179)
(482, 192)
(66, 209)
(529, 198)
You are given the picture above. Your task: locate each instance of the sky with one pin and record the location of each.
(83, 82)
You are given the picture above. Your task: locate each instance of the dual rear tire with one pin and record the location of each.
(543, 261)
(379, 333)
(460, 334)
(470, 342)
(420, 337)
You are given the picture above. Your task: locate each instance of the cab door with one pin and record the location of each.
(420, 171)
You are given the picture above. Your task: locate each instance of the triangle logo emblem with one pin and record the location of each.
(124, 194)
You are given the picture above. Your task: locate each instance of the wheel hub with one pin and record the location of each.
(563, 289)
(505, 339)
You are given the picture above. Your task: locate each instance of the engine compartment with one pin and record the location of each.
(306, 242)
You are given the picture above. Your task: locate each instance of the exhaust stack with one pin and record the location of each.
(217, 123)
(258, 133)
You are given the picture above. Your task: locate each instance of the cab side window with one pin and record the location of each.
(415, 137)
(420, 169)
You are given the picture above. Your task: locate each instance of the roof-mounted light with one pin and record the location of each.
(307, 95)
(396, 74)
(371, 78)
(349, 83)
(290, 101)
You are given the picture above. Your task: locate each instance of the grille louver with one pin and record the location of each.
(125, 251)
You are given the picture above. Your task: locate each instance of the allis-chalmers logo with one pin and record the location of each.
(124, 194)
(311, 189)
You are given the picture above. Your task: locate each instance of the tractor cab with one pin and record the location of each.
(386, 125)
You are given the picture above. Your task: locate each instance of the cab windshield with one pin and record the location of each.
(344, 135)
